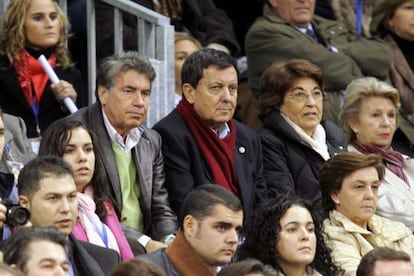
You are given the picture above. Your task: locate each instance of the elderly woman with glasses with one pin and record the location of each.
(296, 141)
(369, 118)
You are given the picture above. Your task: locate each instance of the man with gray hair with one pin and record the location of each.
(130, 152)
(290, 29)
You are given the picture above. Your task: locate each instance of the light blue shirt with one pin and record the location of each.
(222, 131)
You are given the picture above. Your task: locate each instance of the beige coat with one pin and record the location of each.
(395, 197)
(349, 242)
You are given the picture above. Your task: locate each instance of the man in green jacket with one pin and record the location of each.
(289, 29)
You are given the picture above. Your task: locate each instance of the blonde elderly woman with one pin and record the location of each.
(349, 183)
(369, 118)
(393, 21)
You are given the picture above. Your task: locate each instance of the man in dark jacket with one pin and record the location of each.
(201, 141)
(14, 142)
(6, 179)
(37, 251)
(130, 152)
(210, 220)
(48, 190)
(289, 29)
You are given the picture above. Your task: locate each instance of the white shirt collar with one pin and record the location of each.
(303, 30)
(222, 131)
(132, 139)
(177, 98)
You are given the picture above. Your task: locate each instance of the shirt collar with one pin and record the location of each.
(222, 131)
(132, 139)
(303, 30)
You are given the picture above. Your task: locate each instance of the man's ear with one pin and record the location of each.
(24, 201)
(102, 95)
(188, 225)
(189, 92)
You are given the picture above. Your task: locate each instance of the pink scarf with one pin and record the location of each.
(96, 231)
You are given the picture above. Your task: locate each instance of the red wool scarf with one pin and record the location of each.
(218, 153)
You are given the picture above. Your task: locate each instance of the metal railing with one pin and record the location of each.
(3, 7)
(155, 37)
(155, 41)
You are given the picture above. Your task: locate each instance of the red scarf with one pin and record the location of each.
(218, 153)
(31, 75)
(393, 160)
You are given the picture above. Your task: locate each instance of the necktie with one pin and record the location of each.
(359, 9)
(312, 34)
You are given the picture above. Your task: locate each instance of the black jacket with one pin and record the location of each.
(88, 259)
(6, 184)
(159, 219)
(185, 167)
(291, 165)
(92, 260)
(13, 100)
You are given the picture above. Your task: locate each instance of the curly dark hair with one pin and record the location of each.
(260, 242)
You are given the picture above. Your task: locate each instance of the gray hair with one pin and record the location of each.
(113, 65)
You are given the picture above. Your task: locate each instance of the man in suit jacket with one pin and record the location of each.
(283, 32)
(37, 251)
(131, 152)
(15, 151)
(202, 143)
(18, 147)
(6, 179)
(48, 190)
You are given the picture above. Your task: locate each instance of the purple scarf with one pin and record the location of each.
(393, 160)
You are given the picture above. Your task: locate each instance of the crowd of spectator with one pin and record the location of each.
(289, 151)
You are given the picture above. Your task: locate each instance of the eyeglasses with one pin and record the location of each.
(301, 96)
